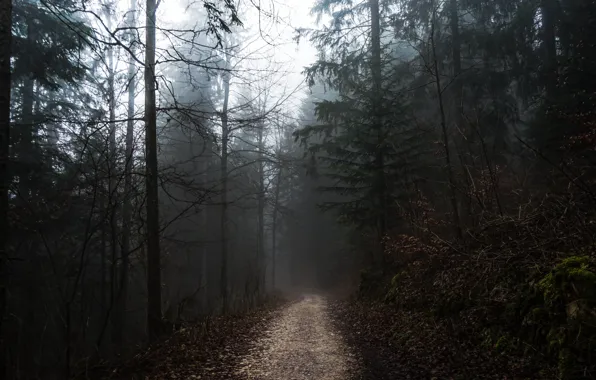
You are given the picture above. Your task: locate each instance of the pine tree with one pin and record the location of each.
(360, 138)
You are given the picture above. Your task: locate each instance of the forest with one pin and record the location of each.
(418, 204)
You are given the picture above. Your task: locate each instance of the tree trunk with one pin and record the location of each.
(274, 227)
(25, 131)
(112, 188)
(377, 96)
(458, 103)
(26, 140)
(204, 294)
(224, 194)
(261, 265)
(549, 9)
(456, 56)
(103, 244)
(153, 253)
(25, 157)
(120, 318)
(5, 85)
(452, 194)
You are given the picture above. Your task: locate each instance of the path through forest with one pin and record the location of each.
(300, 343)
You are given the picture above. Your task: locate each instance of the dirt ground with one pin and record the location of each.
(300, 343)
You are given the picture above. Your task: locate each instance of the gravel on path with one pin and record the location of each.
(300, 343)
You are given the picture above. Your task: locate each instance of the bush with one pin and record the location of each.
(563, 323)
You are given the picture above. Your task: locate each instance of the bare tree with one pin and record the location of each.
(261, 267)
(276, 199)
(153, 251)
(127, 206)
(224, 189)
(451, 178)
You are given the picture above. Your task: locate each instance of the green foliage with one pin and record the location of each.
(554, 315)
(514, 313)
(47, 47)
(571, 280)
(506, 79)
(368, 147)
(347, 148)
(506, 344)
(563, 321)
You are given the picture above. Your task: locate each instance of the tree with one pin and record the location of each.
(154, 324)
(360, 137)
(457, 68)
(261, 261)
(225, 131)
(127, 206)
(74, 166)
(5, 81)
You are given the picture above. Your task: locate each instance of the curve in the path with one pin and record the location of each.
(299, 344)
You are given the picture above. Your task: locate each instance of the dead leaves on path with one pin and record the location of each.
(208, 350)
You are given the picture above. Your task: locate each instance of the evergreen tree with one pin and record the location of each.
(364, 137)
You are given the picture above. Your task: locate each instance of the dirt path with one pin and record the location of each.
(300, 343)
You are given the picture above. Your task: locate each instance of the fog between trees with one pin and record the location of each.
(159, 167)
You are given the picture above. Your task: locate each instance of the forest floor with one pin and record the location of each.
(398, 344)
(315, 338)
(297, 340)
(301, 343)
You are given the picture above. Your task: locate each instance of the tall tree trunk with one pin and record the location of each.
(377, 96)
(457, 99)
(103, 245)
(153, 253)
(112, 186)
(204, 294)
(25, 148)
(120, 318)
(224, 193)
(5, 85)
(456, 56)
(274, 227)
(26, 158)
(261, 265)
(549, 17)
(26, 140)
(451, 178)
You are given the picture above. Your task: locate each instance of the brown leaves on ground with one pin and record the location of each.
(206, 350)
(398, 344)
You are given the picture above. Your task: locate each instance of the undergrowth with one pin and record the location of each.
(522, 288)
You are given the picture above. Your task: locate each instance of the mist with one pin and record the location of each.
(297, 178)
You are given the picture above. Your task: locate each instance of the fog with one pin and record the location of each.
(156, 173)
(79, 288)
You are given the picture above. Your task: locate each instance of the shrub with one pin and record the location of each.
(564, 322)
